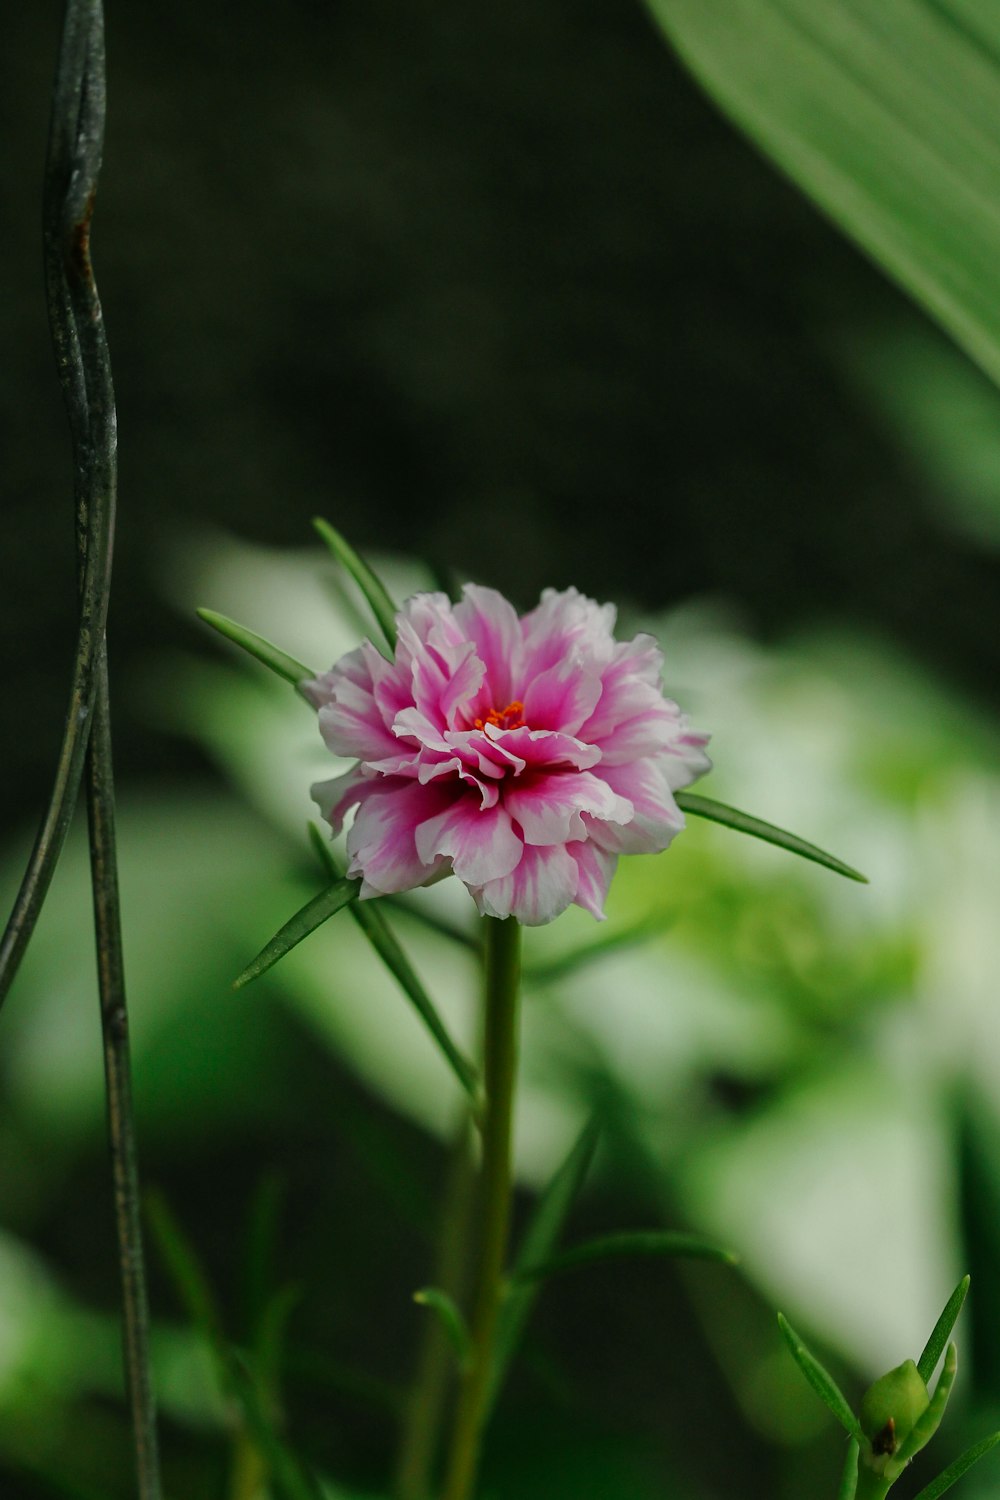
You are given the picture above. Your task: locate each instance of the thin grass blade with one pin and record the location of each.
(261, 650)
(962, 1465)
(378, 932)
(540, 1238)
(634, 1244)
(450, 1317)
(305, 921)
(184, 1268)
(370, 585)
(821, 1380)
(935, 1345)
(547, 970)
(731, 817)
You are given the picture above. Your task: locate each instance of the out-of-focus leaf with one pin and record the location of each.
(888, 116)
(185, 1271)
(821, 1380)
(450, 1317)
(378, 932)
(372, 587)
(263, 651)
(731, 817)
(305, 921)
(546, 970)
(630, 1244)
(962, 1464)
(540, 1237)
(941, 1332)
(849, 1478)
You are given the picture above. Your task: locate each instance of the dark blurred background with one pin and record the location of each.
(499, 289)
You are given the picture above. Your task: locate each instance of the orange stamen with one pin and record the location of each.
(507, 718)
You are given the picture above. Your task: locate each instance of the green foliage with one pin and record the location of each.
(887, 116)
(372, 587)
(629, 1244)
(962, 1465)
(270, 656)
(305, 921)
(934, 1347)
(451, 1319)
(730, 817)
(821, 1381)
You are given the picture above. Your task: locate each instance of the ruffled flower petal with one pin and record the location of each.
(381, 844)
(550, 809)
(479, 841)
(540, 888)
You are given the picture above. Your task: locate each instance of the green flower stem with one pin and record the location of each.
(502, 961)
(871, 1486)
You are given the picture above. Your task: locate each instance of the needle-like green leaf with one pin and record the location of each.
(934, 1347)
(378, 932)
(451, 1319)
(630, 1244)
(849, 1477)
(821, 1380)
(927, 1425)
(731, 817)
(540, 1238)
(371, 586)
(276, 660)
(305, 921)
(961, 1466)
(888, 115)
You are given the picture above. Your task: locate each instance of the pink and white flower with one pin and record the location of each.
(521, 754)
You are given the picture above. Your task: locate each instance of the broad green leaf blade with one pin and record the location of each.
(546, 970)
(627, 1245)
(540, 1238)
(887, 115)
(961, 1466)
(849, 1478)
(375, 927)
(821, 1380)
(927, 1425)
(372, 587)
(451, 1319)
(305, 921)
(278, 661)
(934, 1347)
(731, 817)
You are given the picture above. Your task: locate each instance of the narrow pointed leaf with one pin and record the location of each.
(378, 932)
(263, 651)
(540, 1238)
(821, 1380)
(371, 586)
(634, 1244)
(927, 1425)
(451, 1319)
(731, 817)
(305, 921)
(887, 115)
(546, 970)
(934, 1347)
(183, 1267)
(849, 1478)
(961, 1466)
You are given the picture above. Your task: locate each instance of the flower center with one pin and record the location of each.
(506, 718)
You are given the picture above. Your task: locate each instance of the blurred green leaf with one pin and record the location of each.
(378, 932)
(888, 116)
(821, 1380)
(934, 1346)
(263, 651)
(305, 921)
(546, 970)
(731, 817)
(372, 587)
(630, 1244)
(450, 1317)
(849, 1477)
(543, 1231)
(954, 1472)
(182, 1265)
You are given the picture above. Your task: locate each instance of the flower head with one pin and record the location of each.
(521, 754)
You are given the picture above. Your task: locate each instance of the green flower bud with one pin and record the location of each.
(890, 1408)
